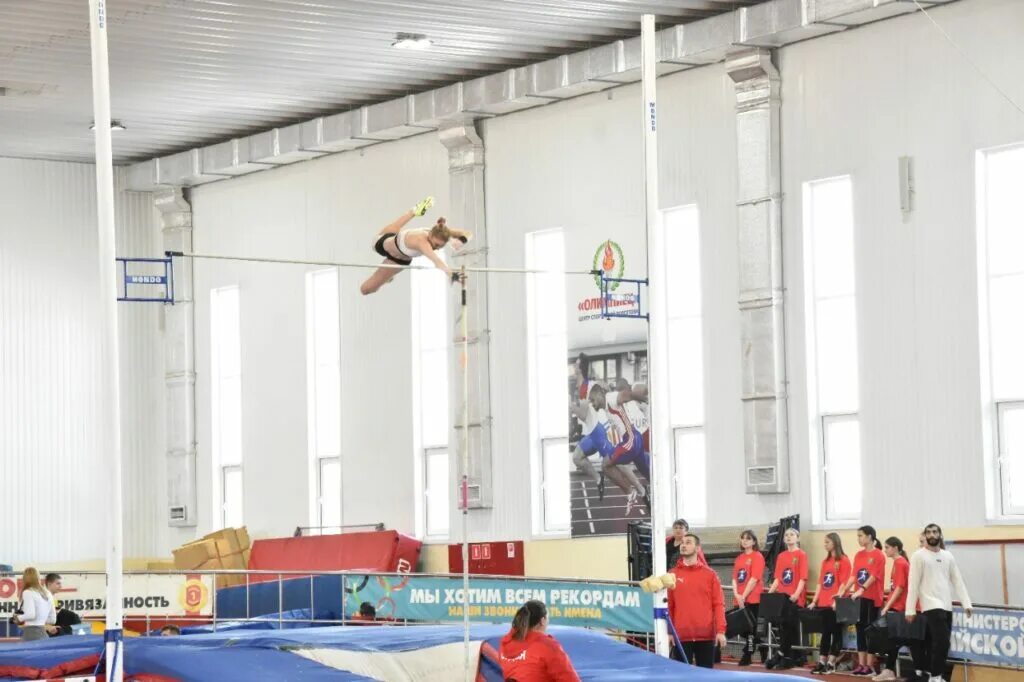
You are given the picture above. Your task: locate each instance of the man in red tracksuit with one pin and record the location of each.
(696, 605)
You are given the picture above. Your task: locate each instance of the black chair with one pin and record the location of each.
(776, 607)
(738, 623)
(812, 620)
(847, 611)
(900, 629)
(877, 635)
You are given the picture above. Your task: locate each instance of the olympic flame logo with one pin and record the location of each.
(609, 257)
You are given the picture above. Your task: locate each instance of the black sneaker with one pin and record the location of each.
(745, 659)
(600, 487)
(785, 664)
(773, 662)
(819, 669)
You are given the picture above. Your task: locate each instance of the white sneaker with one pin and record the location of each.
(884, 676)
(631, 502)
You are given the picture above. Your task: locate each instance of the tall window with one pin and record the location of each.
(323, 391)
(831, 307)
(1001, 289)
(549, 399)
(431, 341)
(686, 362)
(226, 402)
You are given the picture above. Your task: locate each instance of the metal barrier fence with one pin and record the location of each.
(201, 598)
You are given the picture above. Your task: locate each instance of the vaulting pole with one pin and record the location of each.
(109, 384)
(657, 332)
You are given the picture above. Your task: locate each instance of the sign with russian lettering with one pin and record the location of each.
(613, 607)
(153, 595)
(993, 636)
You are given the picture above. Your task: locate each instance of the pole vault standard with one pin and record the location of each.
(109, 393)
(657, 332)
(464, 483)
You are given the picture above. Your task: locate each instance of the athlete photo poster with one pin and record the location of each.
(608, 445)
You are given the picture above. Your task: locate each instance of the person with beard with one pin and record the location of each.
(934, 576)
(696, 606)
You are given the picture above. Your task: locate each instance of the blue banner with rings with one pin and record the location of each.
(608, 606)
(994, 636)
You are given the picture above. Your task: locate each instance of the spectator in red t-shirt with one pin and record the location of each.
(897, 602)
(747, 586)
(866, 585)
(791, 579)
(528, 654)
(835, 572)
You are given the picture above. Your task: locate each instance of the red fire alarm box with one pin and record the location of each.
(489, 558)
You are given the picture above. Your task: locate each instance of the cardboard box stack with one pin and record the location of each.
(226, 549)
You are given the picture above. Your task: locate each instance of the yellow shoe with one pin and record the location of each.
(421, 208)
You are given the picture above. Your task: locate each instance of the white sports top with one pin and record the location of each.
(408, 251)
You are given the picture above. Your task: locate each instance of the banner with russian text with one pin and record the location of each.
(994, 636)
(152, 595)
(612, 607)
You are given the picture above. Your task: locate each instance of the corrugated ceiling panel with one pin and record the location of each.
(189, 73)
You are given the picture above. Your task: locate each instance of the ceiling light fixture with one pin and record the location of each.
(114, 125)
(412, 41)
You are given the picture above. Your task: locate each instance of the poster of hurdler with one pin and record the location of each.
(608, 412)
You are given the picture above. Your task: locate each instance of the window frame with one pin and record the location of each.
(428, 453)
(692, 213)
(537, 434)
(695, 516)
(1003, 473)
(224, 471)
(823, 464)
(546, 525)
(218, 380)
(817, 417)
(314, 364)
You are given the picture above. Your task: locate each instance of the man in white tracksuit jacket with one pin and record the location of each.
(934, 576)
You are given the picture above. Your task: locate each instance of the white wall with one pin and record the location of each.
(50, 461)
(328, 209)
(852, 104)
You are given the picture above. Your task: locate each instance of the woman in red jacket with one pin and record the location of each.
(527, 654)
(747, 586)
(696, 605)
(865, 585)
(790, 578)
(897, 602)
(835, 572)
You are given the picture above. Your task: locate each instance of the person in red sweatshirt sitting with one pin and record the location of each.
(527, 654)
(696, 605)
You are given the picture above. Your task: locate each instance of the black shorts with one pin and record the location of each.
(379, 248)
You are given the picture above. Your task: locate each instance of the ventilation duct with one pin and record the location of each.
(767, 25)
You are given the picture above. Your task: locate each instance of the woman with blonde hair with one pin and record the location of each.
(36, 608)
(400, 246)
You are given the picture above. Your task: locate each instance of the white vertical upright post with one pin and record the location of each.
(109, 392)
(657, 333)
(470, 670)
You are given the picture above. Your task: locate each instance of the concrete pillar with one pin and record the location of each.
(179, 362)
(466, 193)
(758, 208)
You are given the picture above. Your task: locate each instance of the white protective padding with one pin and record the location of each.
(434, 664)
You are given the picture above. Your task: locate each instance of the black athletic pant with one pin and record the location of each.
(701, 654)
(789, 633)
(868, 615)
(831, 633)
(933, 651)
